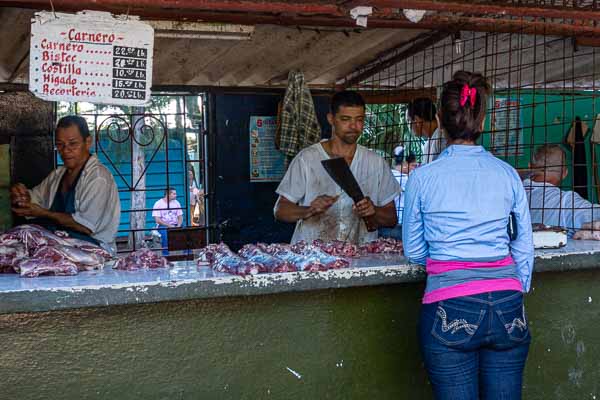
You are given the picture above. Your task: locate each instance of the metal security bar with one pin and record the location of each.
(543, 115)
(149, 150)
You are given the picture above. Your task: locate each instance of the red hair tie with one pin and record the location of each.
(468, 93)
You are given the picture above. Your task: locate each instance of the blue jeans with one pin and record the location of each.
(164, 243)
(475, 347)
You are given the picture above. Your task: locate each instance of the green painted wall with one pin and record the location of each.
(546, 117)
(354, 343)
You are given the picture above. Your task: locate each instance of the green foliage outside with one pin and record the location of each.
(386, 127)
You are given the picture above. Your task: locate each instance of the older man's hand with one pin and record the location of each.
(19, 195)
(30, 210)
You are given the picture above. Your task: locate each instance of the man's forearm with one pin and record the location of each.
(386, 216)
(66, 220)
(287, 211)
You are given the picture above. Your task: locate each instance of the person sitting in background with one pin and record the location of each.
(548, 204)
(421, 114)
(80, 197)
(168, 214)
(403, 166)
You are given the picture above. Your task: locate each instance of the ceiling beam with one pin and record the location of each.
(382, 62)
(196, 5)
(485, 8)
(311, 14)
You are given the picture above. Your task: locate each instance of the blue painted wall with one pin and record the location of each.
(156, 178)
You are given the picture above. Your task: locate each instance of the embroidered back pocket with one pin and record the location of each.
(454, 326)
(515, 322)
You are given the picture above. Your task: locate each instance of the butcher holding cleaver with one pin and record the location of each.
(337, 189)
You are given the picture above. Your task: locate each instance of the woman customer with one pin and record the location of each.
(473, 329)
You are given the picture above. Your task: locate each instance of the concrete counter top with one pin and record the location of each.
(185, 281)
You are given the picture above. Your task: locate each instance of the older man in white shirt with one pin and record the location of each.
(80, 197)
(549, 204)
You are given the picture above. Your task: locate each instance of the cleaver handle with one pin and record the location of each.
(370, 223)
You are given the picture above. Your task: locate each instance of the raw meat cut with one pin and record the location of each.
(35, 236)
(84, 260)
(312, 251)
(222, 259)
(302, 263)
(588, 231)
(206, 254)
(586, 235)
(10, 255)
(382, 246)
(141, 259)
(272, 263)
(337, 248)
(32, 267)
(32, 236)
(90, 247)
(48, 251)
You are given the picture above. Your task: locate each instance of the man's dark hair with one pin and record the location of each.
(169, 190)
(346, 98)
(74, 120)
(423, 108)
(411, 158)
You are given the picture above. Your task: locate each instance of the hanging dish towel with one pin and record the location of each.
(571, 136)
(596, 131)
(298, 125)
(576, 138)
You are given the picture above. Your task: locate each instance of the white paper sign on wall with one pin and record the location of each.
(91, 56)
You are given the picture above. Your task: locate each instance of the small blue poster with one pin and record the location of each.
(267, 164)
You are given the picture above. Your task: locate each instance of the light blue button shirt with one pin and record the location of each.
(457, 208)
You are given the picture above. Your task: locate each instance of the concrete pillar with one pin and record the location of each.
(26, 143)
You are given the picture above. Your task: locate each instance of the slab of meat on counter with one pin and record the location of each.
(141, 259)
(382, 246)
(222, 259)
(84, 260)
(338, 248)
(48, 251)
(273, 264)
(33, 267)
(312, 251)
(89, 247)
(31, 236)
(10, 256)
(302, 256)
(302, 263)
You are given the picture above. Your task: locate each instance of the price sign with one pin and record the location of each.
(91, 56)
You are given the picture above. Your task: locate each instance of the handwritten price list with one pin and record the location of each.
(105, 62)
(129, 72)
